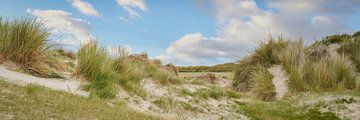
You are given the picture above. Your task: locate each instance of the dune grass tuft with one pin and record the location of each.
(105, 72)
(293, 59)
(23, 41)
(309, 69)
(94, 65)
(265, 55)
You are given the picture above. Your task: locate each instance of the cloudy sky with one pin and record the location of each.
(187, 32)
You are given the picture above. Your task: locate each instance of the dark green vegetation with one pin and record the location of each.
(226, 67)
(284, 110)
(318, 67)
(35, 102)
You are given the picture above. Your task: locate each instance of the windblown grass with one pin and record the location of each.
(308, 69)
(261, 84)
(331, 74)
(23, 41)
(265, 55)
(293, 59)
(126, 70)
(94, 65)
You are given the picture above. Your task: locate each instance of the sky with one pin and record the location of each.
(187, 32)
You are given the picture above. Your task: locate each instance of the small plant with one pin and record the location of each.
(164, 103)
(206, 93)
(31, 89)
(232, 94)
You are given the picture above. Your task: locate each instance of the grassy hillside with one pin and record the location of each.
(226, 67)
(106, 73)
(35, 102)
(318, 67)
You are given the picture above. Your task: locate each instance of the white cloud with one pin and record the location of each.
(242, 24)
(116, 51)
(131, 5)
(85, 8)
(65, 29)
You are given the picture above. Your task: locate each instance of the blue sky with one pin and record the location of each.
(188, 32)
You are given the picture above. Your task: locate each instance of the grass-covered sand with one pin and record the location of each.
(280, 80)
(36, 102)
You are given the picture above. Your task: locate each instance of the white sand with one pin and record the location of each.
(279, 81)
(70, 85)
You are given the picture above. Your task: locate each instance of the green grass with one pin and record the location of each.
(308, 69)
(35, 102)
(165, 103)
(211, 92)
(271, 111)
(95, 66)
(225, 75)
(226, 67)
(314, 70)
(283, 110)
(23, 41)
(106, 72)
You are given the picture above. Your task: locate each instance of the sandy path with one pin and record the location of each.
(71, 85)
(279, 81)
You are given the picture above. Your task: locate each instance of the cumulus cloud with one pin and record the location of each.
(131, 6)
(241, 24)
(65, 29)
(85, 8)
